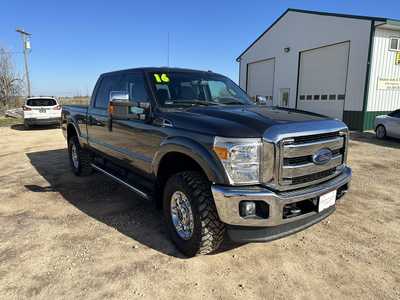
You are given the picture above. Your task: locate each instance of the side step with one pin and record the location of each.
(119, 180)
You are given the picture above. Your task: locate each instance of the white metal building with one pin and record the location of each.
(343, 66)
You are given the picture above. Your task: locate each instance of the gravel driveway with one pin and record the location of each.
(67, 237)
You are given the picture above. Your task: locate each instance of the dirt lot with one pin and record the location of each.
(68, 237)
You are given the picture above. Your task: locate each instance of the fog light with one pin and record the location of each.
(247, 208)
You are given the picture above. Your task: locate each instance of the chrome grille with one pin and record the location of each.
(296, 168)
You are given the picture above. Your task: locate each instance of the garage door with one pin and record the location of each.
(322, 80)
(260, 78)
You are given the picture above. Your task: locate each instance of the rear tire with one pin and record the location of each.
(380, 132)
(26, 125)
(205, 232)
(80, 158)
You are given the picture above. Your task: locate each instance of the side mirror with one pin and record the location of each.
(121, 108)
(261, 100)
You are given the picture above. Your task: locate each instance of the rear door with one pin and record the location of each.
(42, 108)
(98, 134)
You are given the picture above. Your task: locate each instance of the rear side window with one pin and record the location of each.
(107, 84)
(41, 102)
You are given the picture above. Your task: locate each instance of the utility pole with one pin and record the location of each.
(27, 47)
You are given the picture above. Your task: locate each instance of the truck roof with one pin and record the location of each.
(157, 69)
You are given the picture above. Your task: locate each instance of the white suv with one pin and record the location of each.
(41, 111)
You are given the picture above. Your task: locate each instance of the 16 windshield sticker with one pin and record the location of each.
(161, 78)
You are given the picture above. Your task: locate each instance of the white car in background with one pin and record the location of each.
(388, 125)
(41, 111)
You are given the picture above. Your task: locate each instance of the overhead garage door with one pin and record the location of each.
(322, 80)
(260, 78)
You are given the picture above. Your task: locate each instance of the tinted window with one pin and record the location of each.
(41, 102)
(135, 85)
(395, 114)
(196, 88)
(108, 84)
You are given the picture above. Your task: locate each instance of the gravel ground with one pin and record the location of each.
(67, 237)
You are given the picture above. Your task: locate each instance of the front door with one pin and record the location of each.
(284, 95)
(135, 142)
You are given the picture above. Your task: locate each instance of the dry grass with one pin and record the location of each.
(7, 121)
(74, 100)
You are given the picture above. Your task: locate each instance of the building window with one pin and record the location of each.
(309, 97)
(394, 44)
(324, 97)
(341, 97)
(332, 97)
(316, 97)
(302, 97)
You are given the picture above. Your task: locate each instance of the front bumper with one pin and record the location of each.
(47, 121)
(227, 199)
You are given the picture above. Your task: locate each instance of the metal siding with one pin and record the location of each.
(383, 66)
(353, 119)
(300, 32)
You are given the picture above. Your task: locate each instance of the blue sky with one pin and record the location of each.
(75, 41)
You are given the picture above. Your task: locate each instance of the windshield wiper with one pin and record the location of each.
(227, 100)
(192, 102)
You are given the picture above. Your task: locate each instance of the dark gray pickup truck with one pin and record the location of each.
(215, 162)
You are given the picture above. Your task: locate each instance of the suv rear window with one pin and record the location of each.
(41, 102)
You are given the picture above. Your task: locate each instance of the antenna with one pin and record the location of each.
(168, 49)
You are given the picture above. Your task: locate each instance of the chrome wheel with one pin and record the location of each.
(182, 216)
(74, 156)
(380, 132)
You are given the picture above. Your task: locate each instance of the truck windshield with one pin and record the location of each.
(196, 88)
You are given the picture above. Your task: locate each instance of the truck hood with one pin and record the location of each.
(237, 121)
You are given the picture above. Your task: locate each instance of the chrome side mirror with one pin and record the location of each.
(121, 108)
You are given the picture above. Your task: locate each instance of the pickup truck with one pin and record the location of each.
(215, 162)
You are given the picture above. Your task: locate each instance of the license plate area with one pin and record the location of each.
(42, 110)
(327, 200)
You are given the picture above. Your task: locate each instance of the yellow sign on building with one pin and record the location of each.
(398, 58)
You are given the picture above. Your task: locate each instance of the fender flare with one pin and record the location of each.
(206, 160)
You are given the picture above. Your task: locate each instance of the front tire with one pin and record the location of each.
(80, 159)
(380, 132)
(191, 215)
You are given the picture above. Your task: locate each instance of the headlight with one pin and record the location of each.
(240, 158)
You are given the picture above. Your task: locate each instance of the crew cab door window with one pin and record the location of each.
(108, 83)
(135, 85)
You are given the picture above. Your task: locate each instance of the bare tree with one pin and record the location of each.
(11, 85)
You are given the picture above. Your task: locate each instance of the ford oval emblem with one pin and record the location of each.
(322, 156)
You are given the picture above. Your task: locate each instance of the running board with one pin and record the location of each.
(129, 186)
